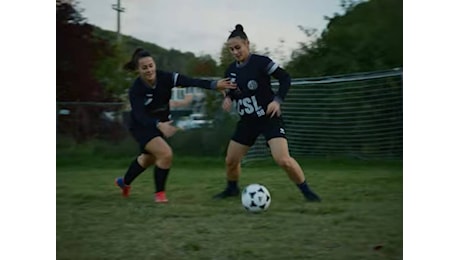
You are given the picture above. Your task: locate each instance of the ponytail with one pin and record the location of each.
(129, 66)
(137, 54)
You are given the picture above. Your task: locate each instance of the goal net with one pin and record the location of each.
(354, 116)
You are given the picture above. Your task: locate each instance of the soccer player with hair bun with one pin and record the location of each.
(150, 124)
(259, 109)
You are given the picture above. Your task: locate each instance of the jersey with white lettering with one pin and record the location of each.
(253, 79)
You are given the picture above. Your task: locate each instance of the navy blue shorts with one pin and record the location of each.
(143, 135)
(247, 131)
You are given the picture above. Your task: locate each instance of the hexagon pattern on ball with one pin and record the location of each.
(255, 198)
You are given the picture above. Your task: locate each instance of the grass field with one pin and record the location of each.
(361, 216)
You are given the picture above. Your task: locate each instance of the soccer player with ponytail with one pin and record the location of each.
(150, 122)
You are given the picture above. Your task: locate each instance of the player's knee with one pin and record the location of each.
(164, 159)
(167, 156)
(145, 160)
(284, 161)
(231, 162)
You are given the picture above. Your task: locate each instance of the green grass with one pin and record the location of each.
(362, 208)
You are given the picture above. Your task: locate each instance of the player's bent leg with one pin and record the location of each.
(163, 160)
(280, 153)
(146, 160)
(235, 153)
(137, 166)
(161, 151)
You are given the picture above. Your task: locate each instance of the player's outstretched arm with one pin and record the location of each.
(219, 85)
(224, 84)
(181, 103)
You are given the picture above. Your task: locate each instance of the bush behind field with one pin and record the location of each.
(205, 142)
(202, 142)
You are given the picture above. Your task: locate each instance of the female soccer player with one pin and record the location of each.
(150, 124)
(259, 109)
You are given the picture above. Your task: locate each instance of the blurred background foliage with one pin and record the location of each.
(367, 36)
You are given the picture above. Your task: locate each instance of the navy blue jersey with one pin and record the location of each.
(150, 104)
(253, 79)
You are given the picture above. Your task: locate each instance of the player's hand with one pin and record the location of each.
(227, 104)
(273, 109)
(167, 128)
(224, 84)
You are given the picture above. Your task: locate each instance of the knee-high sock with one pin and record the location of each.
(134, 170)
(160, 176)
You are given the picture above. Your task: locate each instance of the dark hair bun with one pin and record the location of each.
(239, 27)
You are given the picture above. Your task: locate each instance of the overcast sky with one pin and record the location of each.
(202, 26)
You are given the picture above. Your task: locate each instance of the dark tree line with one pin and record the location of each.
(367, 37)
(77, 52)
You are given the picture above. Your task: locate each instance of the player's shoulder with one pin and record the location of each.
(260, 58)
(165, 78)
(261, 61)
(162, 73)
(231, 68)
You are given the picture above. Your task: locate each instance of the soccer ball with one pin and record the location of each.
(255, 198)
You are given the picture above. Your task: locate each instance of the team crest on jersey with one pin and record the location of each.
(252, 85)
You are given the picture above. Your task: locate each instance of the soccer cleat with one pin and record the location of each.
(227, 193)
(124, 188)
(311, 196)
(160, 197)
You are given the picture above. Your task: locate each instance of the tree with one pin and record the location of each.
(368, 36)
(203, 66)
(108, 71)
(225, 60)
(78, 54)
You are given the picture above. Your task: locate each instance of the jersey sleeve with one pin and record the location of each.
(271, 68)
(184, 81)
(269, 65)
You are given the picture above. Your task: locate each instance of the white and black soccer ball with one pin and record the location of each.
(255, 198)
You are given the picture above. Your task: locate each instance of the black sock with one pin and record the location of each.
(304, 188)
(232, 185)
(134, 170)
(160, 176)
